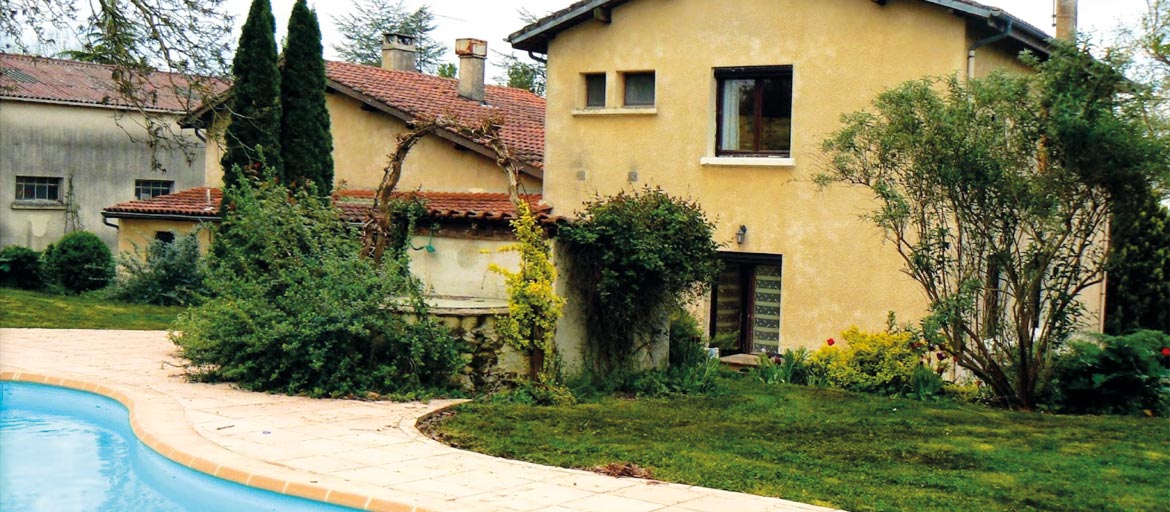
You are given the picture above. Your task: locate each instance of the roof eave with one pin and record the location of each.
(406, 117)
(535, 37)
(1022, 31)
(160, 216)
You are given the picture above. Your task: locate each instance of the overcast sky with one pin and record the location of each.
(493, 20)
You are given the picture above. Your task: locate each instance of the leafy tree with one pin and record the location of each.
(530, 76)
(305, 141)
(253, 137)
(362, 29)
(1138, 287)
(448, 70)
(996, 193)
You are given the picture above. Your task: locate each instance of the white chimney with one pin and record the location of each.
(1065, 19)
(472, 63)
(398, 52)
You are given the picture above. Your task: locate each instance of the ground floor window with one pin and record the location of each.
(745, 303)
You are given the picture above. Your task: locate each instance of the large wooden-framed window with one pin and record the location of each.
(745, 301)
(754, 111)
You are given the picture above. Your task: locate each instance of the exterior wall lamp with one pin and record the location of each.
(741, 234)
(430, 247)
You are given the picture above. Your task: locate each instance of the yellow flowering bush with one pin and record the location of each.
(883, 362)
(533, 306)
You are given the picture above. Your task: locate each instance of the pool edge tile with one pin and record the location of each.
(347, 499)
(266, 482)
(307, 491)
(234, 475)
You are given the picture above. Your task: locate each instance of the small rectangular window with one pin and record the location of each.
(166, 237)
(639, 89)
(755, 111)
(146, 189)
(33, 188)
(595, 90)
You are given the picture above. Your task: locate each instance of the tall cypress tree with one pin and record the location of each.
(1138, 284)
(305, 142)
(255, 101)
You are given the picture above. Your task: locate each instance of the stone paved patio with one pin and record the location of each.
(362, 454)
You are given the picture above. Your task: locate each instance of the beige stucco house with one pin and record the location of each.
(70, 145)
(727, 103)
(466, 192)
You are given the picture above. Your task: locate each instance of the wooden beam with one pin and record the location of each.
(602, 14)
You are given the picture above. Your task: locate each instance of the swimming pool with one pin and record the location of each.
(68, 450)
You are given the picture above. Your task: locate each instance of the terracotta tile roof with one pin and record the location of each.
(195, 202)
(425, 96)
(446, 205)
(354, 205)
(34, 78)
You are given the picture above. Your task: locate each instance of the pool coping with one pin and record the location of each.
(151, 411)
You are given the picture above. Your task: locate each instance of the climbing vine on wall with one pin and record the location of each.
(533, 306)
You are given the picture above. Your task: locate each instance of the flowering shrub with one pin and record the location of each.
(886, 363)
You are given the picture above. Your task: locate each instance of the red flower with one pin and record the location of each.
(831, 341)
(1165, 351)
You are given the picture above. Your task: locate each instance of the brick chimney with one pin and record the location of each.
(1065, 19)
(472, 63)
(398, 52)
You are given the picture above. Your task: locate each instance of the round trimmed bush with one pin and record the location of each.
(80, 261)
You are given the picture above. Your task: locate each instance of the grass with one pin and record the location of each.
(845, 450)
(20, 308)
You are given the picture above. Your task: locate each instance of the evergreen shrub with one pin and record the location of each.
(20, 267)
(172, 273)
(1115, 375)
(80, 262)
(294, 308)
(637, 256)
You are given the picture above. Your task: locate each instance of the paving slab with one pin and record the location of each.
(368, 455)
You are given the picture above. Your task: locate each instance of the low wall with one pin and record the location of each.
(488, 361)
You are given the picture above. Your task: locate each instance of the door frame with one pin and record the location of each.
(748, 261)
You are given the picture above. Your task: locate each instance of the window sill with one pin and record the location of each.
(37, 204)
(746, 161)
(626, 111)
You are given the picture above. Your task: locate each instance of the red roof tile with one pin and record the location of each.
(354, 205)
(43, 79)
(426, 96)
(195, 202)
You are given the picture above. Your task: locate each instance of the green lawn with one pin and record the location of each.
(839, 449)
(20, 308)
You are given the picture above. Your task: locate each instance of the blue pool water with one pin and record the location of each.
(67, 450)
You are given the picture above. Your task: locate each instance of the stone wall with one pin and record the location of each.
(488, 361)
